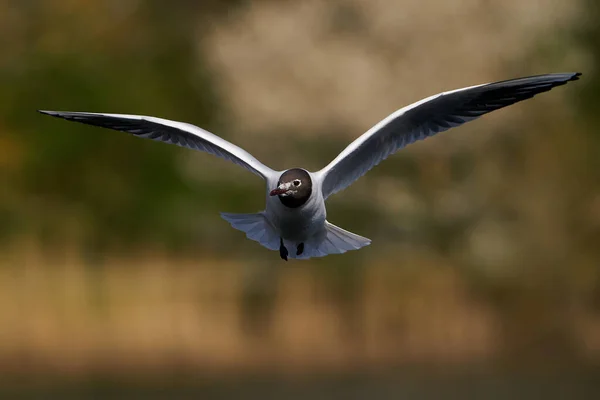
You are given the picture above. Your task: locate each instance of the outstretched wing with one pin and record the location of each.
(164, 130)
(426, 118)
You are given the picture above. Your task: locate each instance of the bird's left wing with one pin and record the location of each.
(173, 132)
(426, 118)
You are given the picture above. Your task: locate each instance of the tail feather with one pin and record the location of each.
(344, 239)
(256, 227)
(332, 240)
(335, 240)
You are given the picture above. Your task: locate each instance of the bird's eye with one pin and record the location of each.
(297, 182)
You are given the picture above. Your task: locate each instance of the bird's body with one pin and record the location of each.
(299, 229)
(294, 220)
(299, 223)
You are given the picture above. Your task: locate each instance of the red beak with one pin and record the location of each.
(277, 192)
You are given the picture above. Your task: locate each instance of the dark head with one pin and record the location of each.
(293, 188)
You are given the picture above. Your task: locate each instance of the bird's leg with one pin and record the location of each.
(300, 249)
(283, 252)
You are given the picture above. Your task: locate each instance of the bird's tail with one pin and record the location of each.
(256, 227)
(335, 240)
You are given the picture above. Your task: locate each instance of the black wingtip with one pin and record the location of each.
(575, 76)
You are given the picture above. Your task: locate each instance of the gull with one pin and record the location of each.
(294, 221)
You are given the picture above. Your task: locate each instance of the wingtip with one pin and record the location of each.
(47, 112)
(575, 76)
(564, 77)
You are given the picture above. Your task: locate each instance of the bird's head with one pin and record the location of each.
(293, 188)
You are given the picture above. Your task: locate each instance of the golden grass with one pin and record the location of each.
(148, 312)
(151, 311)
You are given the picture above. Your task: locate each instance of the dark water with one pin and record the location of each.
(400, 386)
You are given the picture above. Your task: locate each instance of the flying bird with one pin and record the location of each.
(294, 220)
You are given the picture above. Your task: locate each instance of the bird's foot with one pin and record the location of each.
(283, 252)
(300, 249)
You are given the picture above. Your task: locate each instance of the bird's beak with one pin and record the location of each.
(277, 192)
(281, 189)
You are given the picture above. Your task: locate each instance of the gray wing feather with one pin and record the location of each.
(426, 118)
(172, 132)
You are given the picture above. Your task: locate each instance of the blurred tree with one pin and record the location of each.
(129, 57)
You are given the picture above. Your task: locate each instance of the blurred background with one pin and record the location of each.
(118, 276)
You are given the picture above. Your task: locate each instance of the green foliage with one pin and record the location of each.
(118, 189)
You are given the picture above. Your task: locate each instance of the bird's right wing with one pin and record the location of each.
(179, 133)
